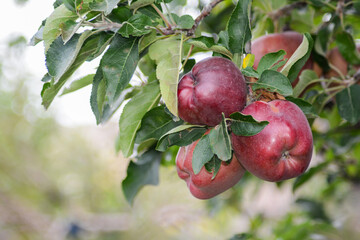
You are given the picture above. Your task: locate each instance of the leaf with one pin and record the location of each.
(305, 106)
(299, 58)
(168, 54)
(220, 141)
(132, 114)
(207, 43)
(140, 3)
(147, 40)
(275, 82)
(116, 69)
(348, 103)
(52, 28)
(269, 60)
(105, 6)
(250, 72)
(248, 60)
(213, 166)
(52, 90)
(155, 124)
(137, 25)
(246, 125)
(185, 22)
(60, 56)
(238, 27)
(78, 84)
(145, 171)
(202, 154)
(308, 175)
(182, 135)
(307, 77)
(347, 47)
(68, 29)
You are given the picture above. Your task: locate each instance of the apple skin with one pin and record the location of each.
(283, 149)
(214, 85)
(201, 185)
(335, 58)
(288, 41)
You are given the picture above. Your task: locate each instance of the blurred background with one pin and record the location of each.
(60, 176)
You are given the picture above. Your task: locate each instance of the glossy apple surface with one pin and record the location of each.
(283, 149)
(287, 41)
(201, 185)
(213, 86)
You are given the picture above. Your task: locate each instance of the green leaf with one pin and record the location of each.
(155, 124)
(347, 47)
(105, 6)
(220, 141)
(116, 69)
(250, 72)
(348, 103)
(52, 28)
(60, 56)
(145, 171)
(213, 166)
(307, 77)
(305, 106)
(275, 82)
(137, 25)
(299, 58)
(302, 179)
(140, 3)
(238, 27)
(208, 44)
(68, 29)
(132, 114)
(182, 135)
(78, 84)
(168, 54)
(185, 22)
(246, 125)
(269, 60)
(86, 50)
(147, 40)
(202, 154)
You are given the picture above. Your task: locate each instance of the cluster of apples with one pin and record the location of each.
(282, 150)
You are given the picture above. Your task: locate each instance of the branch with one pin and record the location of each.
(275, 15)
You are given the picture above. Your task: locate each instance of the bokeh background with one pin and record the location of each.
(60, 176)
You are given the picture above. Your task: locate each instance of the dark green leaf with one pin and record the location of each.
(347, 47)
(246, 125)
(238, 27)
(348, 103)
(314, 209)
(155, 124)
(202, 154)
(145, 171)
(275, 82)
(116, 69)
(220, 141)
(269, 60)
(182, 135)
(137, 25)
(132, 114)
(207, 43)
(213, 166)
(250, 72)
(305, 106)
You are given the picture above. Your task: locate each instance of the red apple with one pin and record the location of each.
(201, 185)
(214, 86)
(287, 41)
(283, 149)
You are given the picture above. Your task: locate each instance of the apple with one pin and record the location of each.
(283, 149)
(214, 86)
(202, 185)
(337, 60)
(287, 41)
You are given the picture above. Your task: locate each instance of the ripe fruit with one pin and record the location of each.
(213, 86)
(283, 149)
(335, 58)
(288, 41)
(201, 185)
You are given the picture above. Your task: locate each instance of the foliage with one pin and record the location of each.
(146, 39)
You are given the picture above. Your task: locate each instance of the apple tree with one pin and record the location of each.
(268, 85)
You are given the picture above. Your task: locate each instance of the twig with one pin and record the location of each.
(286, 10)
(162, 16)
